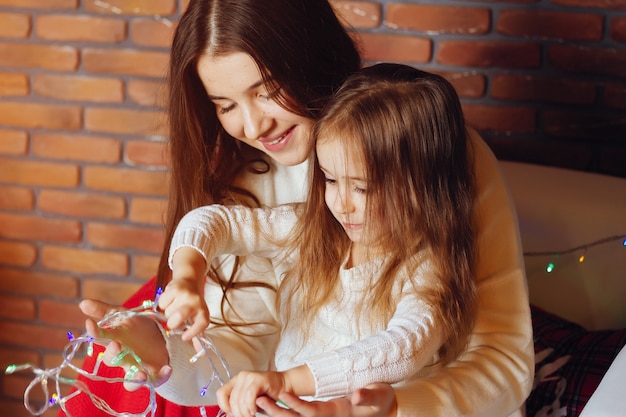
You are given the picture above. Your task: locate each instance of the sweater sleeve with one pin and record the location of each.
(236, 230)
(409, 342)
(212, 231)
(493, 377)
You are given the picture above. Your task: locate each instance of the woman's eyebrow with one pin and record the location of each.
(252, 87)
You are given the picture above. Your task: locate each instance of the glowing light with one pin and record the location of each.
(51, 378)
(98, 362)
(581, 259)
(550, 267)
(132, 371)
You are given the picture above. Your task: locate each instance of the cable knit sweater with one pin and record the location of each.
(491, 378)
(343, 350)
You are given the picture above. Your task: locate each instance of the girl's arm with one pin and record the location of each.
(205, 233)
(238, 396)
(410, 342)
(182, 301)
(237, 230)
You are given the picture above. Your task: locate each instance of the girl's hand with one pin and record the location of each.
(237, 396)
(375, 400)
(182, 301)
(140, 334)
(183, 304)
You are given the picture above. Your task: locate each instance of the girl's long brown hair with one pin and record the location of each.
(299, 46)
(407, 128)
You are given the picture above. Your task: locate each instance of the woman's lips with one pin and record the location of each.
(279, 143)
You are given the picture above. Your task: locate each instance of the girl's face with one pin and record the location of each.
(247, 111)
(346, 192)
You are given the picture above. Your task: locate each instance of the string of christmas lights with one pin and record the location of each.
(581, 248)
(50, 380)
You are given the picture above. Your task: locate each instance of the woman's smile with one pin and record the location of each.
(277, 144)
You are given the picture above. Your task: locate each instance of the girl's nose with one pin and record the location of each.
(343, 203)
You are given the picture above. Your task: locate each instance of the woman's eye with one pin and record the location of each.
(360, 190)
(269, 95)
(225, 109)
(330, 181)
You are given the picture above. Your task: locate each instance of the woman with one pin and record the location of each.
(247, 79)
(377, 282)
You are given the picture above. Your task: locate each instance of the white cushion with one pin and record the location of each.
(559, 209)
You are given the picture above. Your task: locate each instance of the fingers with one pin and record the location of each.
(290, 405)
(375, 400)
(198, 323)
(162, 376)
(233, 398)
(183, 305)
(137, 378)
(223, 396)
(96, 309)
(273, 409)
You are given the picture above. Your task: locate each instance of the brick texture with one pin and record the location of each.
(83, 138)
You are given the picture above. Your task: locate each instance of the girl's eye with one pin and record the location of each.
(360, 190)
(330, 181)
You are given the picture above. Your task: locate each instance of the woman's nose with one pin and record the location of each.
(252, 122)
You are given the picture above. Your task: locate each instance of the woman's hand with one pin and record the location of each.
(375, 400)
(138, 333)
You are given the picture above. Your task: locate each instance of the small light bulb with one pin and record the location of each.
(550, 267)
(582, 258)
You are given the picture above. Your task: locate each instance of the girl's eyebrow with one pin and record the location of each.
(250, 88)
(350, 178)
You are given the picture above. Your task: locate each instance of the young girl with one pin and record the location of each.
(377, 267)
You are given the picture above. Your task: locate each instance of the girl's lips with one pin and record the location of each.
(351, 226)
(279, 143)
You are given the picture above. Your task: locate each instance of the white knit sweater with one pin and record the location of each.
(491, 378)
(343, 350)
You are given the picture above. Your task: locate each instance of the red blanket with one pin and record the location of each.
(115, 395)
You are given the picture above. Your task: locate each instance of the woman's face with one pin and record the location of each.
(247, 111)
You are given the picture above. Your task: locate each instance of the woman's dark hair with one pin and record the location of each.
(299, 46)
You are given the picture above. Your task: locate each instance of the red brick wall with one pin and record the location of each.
(82, 156)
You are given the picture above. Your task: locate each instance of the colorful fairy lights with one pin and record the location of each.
(581, 249)
(51, 381)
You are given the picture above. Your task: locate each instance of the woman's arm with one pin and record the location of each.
(493, 376)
